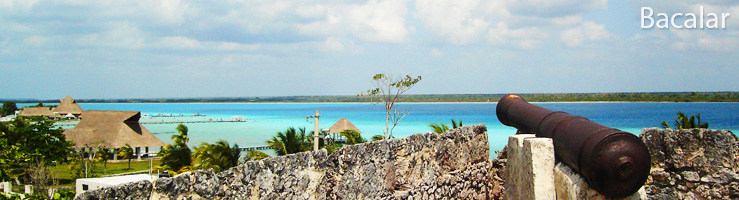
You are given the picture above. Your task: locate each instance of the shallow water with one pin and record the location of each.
(265, 119)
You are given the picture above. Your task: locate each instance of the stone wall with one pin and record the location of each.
(692, 164)
(452, 165)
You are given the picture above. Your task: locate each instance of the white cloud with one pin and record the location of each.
(232, 46)
(685, 40)
(17, 5)
(589, 31)
(122, 35)
(332, 44)
(525, 38)
(35, 41)
(688, 39)
(506, 23)
(178, 43)
(461, 21)
(378, 21)
(549, 8)
(435, 52)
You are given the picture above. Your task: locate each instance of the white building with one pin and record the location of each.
(87, 184)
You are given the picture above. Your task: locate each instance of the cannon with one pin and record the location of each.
(613, 162)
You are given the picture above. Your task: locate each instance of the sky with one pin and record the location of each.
(107, 49)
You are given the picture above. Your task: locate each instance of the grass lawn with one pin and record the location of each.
(64, 174)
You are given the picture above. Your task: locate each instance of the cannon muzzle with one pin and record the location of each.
(613, 162)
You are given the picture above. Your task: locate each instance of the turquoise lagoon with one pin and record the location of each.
(265, 119)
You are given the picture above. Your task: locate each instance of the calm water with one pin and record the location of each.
(264, 120)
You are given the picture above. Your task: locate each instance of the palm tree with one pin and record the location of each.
(182, 136)
(218, 156)
(254, 155)
(684, 122)
(178, 155)
(441, 127)
(352, 137)
(102, 156)
(455, 124)
(290, 141)
(126, 152)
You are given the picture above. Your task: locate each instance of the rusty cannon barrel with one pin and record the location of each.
(613, 162)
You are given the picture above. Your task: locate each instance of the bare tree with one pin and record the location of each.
(396, 117)
(39, 174)
(387, 90)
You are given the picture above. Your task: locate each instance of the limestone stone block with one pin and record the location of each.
(529, 168)
(569, 185)
(7, 187)
(28, 189)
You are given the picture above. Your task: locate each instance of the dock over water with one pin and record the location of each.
(192, 122)
(253, 148)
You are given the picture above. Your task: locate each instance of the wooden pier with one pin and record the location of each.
(253, 148)
(193, 122)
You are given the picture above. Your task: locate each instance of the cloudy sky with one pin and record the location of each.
(229, 48)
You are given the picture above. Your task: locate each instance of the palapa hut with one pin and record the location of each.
(68, 106)
(342, 125)
(36, 111)
(112, 129)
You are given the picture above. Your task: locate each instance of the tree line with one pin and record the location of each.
(532, 97)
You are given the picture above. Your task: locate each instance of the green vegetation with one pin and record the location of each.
(126, 152)
(178, 158)
(29, 147)
(81, 166)
(352, 137)
(441, 127)
(8, 108)
(66, 176)
(531, 97)
(254, 155)
(102, 155)
(63, 194)
(178, 155)
(290, 141)
(387, 90)
(219, 156)
(683, 122)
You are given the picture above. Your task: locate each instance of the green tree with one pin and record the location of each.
(387, 91)
(252, 155)
(82, 166)
(27, 143)
(102, 155)
(8, 108)
(178, 155)
(126, 152)
(352, 137)
(290, 141)
(377, 137)
(684, 122)
(219, 156)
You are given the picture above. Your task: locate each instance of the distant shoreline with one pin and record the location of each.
(728, 96)
(451, 102)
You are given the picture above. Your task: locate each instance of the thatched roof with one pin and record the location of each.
(342, 125)
(112, 129)
(36, 111)
(68, 105)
